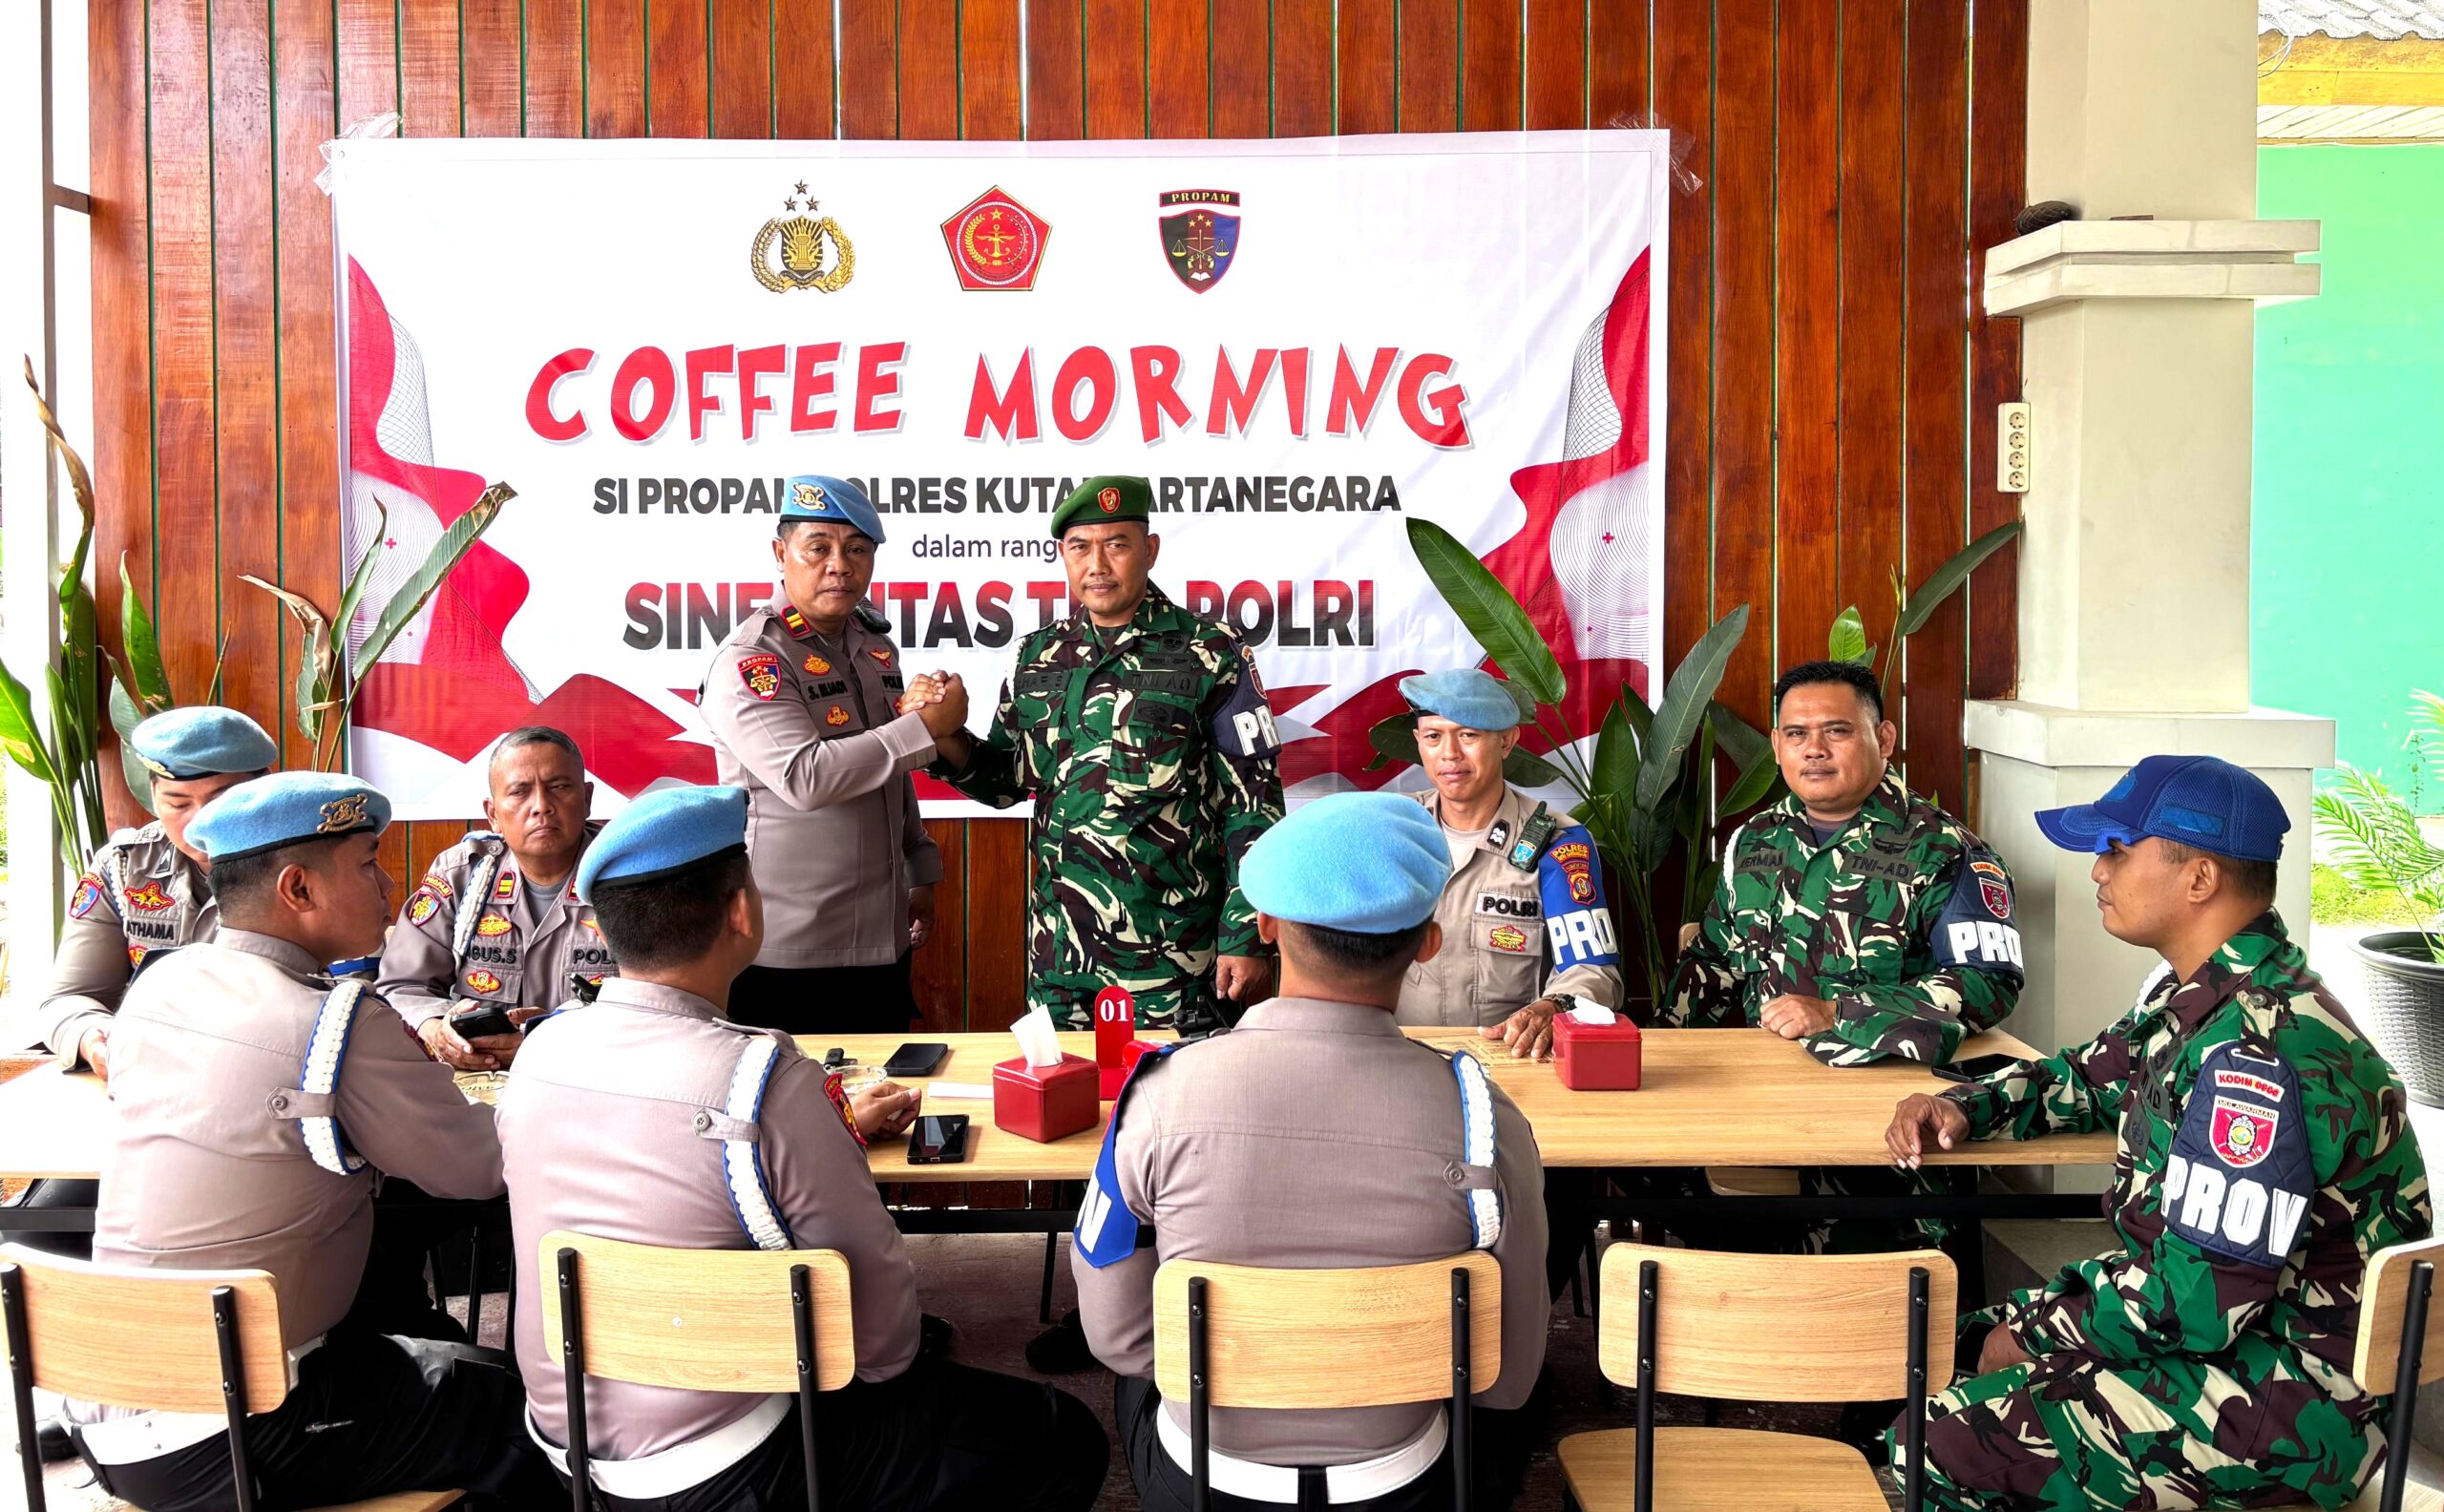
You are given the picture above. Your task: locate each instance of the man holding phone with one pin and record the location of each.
(2265, 1154)
(652, 1117)
(495, 934)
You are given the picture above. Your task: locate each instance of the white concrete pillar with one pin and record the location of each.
(2138, 360)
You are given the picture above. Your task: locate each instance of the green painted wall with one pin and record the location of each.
(2346, 537)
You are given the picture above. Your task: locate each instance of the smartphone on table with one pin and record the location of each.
(938, 1139)
(916, 1059)
(1976, 1068)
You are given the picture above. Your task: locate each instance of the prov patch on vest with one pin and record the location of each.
(1243, 725)
(1577, 925)
(2239, 1181)
(1974, 929)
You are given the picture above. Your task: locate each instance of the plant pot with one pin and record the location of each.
(2403, 1010)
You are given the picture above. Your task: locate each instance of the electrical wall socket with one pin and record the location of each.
(2011, 446)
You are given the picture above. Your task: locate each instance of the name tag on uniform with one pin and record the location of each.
(1509, 905)
(1888, 868)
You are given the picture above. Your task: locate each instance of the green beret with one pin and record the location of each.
(1102, 500)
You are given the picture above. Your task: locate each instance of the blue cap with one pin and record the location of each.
(204, 740)
(1468, 697)
(835, 501)
(663, 832)
(1371, 863)
(285, 808)
(2199, 801)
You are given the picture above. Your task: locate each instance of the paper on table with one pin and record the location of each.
(1036, 1038)
(936, 1090)
(1594, 1015)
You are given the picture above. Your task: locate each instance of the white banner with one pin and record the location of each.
(1304, 343)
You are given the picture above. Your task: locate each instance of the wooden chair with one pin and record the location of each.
(1239, 1336)
(2398, 1335)
(1781, 1328)
(191, 1341)
(715, 1320)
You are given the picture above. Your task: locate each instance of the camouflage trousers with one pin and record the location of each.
(2065, 1434)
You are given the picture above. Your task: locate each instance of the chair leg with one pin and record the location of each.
(2406, 1373)
(1043, 1297)
(1913, 1431)
(573, 1366)
(21, 1382)
(802, 1315)
(233, 1396)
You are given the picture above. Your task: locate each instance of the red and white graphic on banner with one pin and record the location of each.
(815, 308)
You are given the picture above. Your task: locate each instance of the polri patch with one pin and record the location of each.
(761, 672)
(89, 896)
(1509, 939)
(422, 906)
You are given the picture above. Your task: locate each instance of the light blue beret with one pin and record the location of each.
(1371, 863)
(204, 740)
(1466, 696)
(662, 832)
(835, 501)
(284, 808)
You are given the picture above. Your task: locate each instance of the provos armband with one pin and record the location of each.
(1243, 726)
(1577, 925)
(2238, 1180)
(1975, 928)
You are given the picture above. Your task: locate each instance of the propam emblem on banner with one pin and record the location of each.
(801, 239)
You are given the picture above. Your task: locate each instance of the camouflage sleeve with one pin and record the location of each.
(417, 963)
(1707, 989)
(1242, 785)
(2259, 1140)
(2078, 1091)
(89, 970)
(997, 772)
(1962, 937)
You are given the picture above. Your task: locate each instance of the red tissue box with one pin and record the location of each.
(1596, 1058)
(1044, 1105)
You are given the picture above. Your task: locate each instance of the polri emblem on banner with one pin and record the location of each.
(1199, 240)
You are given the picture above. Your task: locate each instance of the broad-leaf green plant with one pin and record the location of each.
(2372, 834)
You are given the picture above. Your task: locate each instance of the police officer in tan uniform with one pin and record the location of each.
(800, 702)
(496, 921)
(258, 1105)
(1526, 934)
(1315, 1135)
(652, 1117)
(147, 888)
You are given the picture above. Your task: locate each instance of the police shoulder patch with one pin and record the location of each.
(761, 672)
(2240, 1182)
(88, 897)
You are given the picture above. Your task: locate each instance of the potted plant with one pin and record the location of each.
(2374, 839)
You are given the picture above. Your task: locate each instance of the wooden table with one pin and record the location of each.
(1712, 1097)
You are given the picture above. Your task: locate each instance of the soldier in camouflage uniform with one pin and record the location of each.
(2265, 1154)
(1141, 731)
(1853, 917)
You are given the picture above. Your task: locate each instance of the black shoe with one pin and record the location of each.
(934, 1336)
(1060, 1350)
(51, 1442)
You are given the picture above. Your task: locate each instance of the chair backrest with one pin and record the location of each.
(698, 1320)
(1327, 1339)
(2383, 1299)
(129, 1337)
(1781, 1328)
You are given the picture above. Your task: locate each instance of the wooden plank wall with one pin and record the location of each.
(1832, 388)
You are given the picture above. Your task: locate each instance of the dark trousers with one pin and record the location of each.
(938, 1436)
(1501, 1444)
(825, 1000)
(371, 1414)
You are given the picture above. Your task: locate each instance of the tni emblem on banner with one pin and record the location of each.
(1200, 240)
(802, 262)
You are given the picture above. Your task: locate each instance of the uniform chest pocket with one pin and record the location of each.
(1510, 951)
(484, 983)
(1153, 732)
(1863, 928)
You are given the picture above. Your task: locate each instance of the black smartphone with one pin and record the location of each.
(916, 1059)
(938, 1139)
(1975, 1068)
(482, 1019)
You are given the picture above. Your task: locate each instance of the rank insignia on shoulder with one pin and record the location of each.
(506, 888)
(1499, 834)
(1533, 835)
(795, 622)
